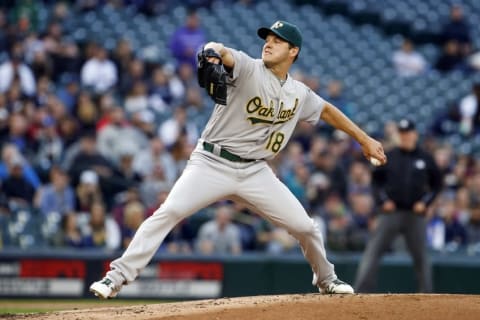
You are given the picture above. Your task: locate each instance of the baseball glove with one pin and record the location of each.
(212, 76)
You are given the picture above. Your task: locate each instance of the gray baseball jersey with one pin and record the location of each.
(261, 113)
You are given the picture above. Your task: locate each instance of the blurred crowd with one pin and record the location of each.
(93, 139)
(458, 52)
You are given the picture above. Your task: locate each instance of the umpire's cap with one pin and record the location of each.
(285, 30)
(405, 125)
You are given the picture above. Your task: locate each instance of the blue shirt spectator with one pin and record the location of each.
(57, 196)
(10, 152)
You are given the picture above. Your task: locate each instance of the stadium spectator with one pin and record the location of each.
(326, 176)
(25, 15)
(68, 91)
(219, 236)
(362, 220)
(119, 135)
(435, 232)
(470, 112)
(343, 148)
(137, 98)
(172, 129)
(404, 188)
(463, 204)
(16, 187)
(474, 61)
(446, 231)
(186, 76)
(186, 40)
(66, 60)
(451, 58)
(286, 161)
(443, 158)
(127, 175)
(100, 231)
(99, 73)
(134, 74)
(122, 56)
(133, 216)
(160, 91)
(61, 12)
(106, 103)
(121, 201)
(86, 158)
(3, 30)
(48, 146)
(336, 96)
(86, 112)
(14, 72)
(155, 203)
(88, 191)
(68, 131)
(446, 121)
(455, 232)
(44, 92)
(359, 179)
(57, 196)
(180, 239)
(39, 61)
(280, 241)
(407, 61)
(473, 230)
(145, 122)
(337, 217)
(153, 184)
(17, 133)
(196, 108)
(69, 234)
(10, 154)
(145, 161)
(297, 181)
(458, 30)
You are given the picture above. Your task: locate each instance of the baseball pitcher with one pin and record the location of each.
(257, 107)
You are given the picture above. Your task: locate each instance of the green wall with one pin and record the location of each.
(280, 275)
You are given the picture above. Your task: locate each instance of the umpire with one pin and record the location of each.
(404, 188)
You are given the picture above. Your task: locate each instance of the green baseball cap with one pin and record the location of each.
(285, 30)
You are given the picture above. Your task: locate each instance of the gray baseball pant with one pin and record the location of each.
(208, 178)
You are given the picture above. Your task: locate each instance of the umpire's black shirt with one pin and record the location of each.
(408, 177)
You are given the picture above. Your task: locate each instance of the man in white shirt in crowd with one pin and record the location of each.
(407, 61)
(99, 72)
(469, 111)
(15, 70)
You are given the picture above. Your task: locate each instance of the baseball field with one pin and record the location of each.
(300, 306)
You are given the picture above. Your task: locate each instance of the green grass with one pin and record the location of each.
(20, 306)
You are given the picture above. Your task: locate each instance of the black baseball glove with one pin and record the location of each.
(212, 76)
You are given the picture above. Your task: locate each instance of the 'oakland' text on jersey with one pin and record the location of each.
(261, 113)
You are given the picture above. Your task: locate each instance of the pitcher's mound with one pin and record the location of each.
(283, 307)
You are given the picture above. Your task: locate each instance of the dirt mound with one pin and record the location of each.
(307, 306)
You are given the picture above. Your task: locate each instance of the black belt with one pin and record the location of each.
(225, 154)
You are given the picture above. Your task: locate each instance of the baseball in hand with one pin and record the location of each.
(375, 162)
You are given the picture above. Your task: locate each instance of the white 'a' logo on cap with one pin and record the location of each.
(277, 25)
